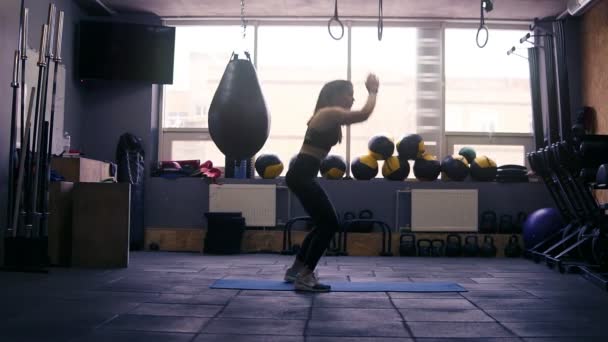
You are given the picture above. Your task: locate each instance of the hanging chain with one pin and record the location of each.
(243, 22)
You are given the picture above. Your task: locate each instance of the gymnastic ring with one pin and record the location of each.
(335, 18)
(484, 28)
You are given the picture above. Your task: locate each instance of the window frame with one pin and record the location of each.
(448, 138)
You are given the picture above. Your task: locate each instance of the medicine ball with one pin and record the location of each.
(427, 167)
(268, 166)
(540, 224)
(395, 168)
(410, 147)
(483, 169)
(454, 168)
(381, 147)
(333, 167)
(364, 167)
(469, 153)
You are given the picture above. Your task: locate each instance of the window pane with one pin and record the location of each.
(501, 154)
(293, 64)
(394, 61)
(197, 149)
(201, 55)
(486, 90)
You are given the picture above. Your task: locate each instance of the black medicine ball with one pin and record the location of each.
(410, 147)
(268, 166)
(364, 167)
(427, 167)
(333, 167)
(483, 169)
(395, 168)
(454, 168)
(381, 147)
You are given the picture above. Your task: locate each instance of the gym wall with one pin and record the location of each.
(115, 108)
(181, 203)
(594, 46)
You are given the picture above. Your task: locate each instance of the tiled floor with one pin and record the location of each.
(165, 297)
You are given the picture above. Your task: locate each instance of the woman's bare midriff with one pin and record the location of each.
(316, 152)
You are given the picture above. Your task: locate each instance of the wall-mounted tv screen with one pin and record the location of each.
(125, 52)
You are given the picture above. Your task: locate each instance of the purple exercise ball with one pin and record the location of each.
(540, 224)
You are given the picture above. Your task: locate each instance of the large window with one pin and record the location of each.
(293, 64)
(486, 93)
(201, 55)
(486, 90)
(394, 61)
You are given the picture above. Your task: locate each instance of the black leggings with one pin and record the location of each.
(302, 181)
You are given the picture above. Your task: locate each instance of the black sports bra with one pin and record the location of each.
(324, 139)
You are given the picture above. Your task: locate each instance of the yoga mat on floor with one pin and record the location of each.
(339, 286)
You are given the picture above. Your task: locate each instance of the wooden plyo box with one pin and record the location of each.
(60, 223)
(81, 169)
(100, 225)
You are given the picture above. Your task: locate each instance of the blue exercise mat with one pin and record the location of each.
(339, 286)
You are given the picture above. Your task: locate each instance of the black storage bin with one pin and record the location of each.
(224, 233)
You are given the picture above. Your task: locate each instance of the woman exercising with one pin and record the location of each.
(324, 131)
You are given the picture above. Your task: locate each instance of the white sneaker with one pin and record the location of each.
(291, 274)
(309, 282)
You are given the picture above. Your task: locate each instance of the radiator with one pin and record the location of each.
(257, 202)
(444, 210)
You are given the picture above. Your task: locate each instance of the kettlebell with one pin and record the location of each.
(366, 214)
(453, 246)
(424, 247)
(360, 226)
(506, 224)
(519, 222)
(488, 222)
(488, 249)
(349, 215)
(513, 248)
(471, 246)
(437, 247)
(154, 246)
(407, 244)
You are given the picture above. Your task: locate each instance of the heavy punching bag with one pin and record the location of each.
(239, 122)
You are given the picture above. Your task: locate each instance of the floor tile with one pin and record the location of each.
(456, 330)
(435, 303)
(353, 302)
(134, 336)
(425, 315)
(156, 323)
(357, 329)
(246, 338)
(350, 314)
(255, 327)
(558, 329)
(160, 309)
